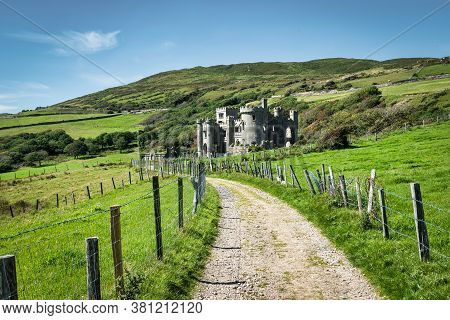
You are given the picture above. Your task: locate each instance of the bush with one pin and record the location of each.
(335, 138)
(76, 148)
(37, 156)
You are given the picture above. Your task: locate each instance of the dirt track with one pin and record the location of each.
(267, 250)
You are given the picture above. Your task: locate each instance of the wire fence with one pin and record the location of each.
(103, 251)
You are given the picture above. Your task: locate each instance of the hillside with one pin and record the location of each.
(225, 82)
(185, 95)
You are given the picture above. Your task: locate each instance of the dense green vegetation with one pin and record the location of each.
(393, 265)
(57, 251)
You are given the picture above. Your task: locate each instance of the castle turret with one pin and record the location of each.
(199, 137)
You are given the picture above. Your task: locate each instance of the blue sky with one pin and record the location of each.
(134, 39)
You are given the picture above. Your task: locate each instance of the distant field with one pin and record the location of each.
(417, 87)
(72, 164)
(87, 129)
(391, 77)
(19, 121)
(434, 70)
(324, 97)
(395, 90)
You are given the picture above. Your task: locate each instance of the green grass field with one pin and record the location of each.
(393, 265)
(86, 129)
(434, 70)
(390, 77)
(20, 121)
(45, 187)
(424, 86)
(51, 261)
(417, 87)
(63, 164)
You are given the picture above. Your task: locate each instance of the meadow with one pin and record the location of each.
(51, 257)
(23, 194)
(393, 265)
(31, 120)
(418, 87)
(85, 129)
(64, 164)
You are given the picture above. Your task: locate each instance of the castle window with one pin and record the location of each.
(220, 115)
(254, 117)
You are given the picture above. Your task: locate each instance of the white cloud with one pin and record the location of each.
(83, 42)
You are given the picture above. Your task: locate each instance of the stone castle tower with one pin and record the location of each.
(237, 128)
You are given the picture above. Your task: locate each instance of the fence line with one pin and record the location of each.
(126, 246)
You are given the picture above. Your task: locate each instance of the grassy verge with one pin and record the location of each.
(51, 259)
(392, 266)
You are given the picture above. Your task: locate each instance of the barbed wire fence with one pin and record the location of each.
(375, 206)
(114, 248)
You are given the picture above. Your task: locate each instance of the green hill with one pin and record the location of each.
(185, 95)
(173, 88)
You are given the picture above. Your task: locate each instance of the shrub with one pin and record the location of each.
(335, 138)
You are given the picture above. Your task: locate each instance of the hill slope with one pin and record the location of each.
(211, 84)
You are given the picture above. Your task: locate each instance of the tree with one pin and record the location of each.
(121, 143)
(76, 148)
(37, 156)
(92, 147)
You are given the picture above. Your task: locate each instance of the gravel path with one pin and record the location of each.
(267, 250)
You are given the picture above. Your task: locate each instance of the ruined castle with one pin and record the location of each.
(235, 129)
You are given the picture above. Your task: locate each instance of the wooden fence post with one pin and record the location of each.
(113, 183)
(308, 181)
(331, 178)
(421, 227)
(294, 177)
(116, 242)
(92, 269)
(11, 211)
(180, 202)
(37, 204)
(57, 200)
(319, 182)
(88, 192)
(101, 187)
(157, 210)
(383, 213)
(8, 278)
(371, 191)
(324, 176)
(343, 187)
(358, 196)
(129, 176)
